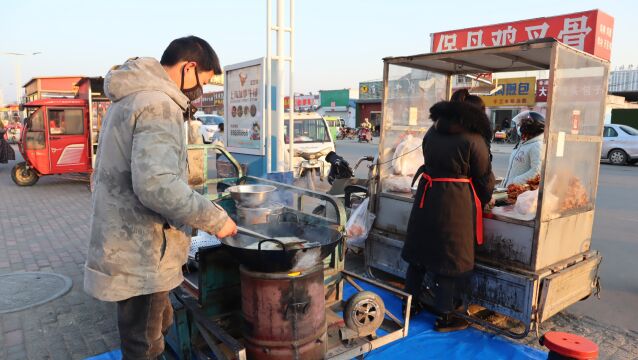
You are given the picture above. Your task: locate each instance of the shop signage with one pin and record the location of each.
(589, 31)
(542, 87)
(244, 107)
(513, 92)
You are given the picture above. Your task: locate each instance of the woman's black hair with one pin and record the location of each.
(460, 95)
(531, 128)
(192, 48)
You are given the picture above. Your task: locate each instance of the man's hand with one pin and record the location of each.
(229, 229)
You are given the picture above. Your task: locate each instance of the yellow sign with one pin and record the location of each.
(512, 92)
(363, 89)
(217, 80)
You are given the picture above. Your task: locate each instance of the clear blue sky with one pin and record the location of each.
(338, 42)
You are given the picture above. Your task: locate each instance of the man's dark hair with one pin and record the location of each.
(192, 48)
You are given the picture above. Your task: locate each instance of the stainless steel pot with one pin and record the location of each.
(251, 196)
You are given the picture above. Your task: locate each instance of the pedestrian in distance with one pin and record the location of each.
(6, 151)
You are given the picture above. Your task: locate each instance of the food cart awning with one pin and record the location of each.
(529, 56)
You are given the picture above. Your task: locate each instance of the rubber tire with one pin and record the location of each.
(356, 301)
(29, 181)
(621, 153)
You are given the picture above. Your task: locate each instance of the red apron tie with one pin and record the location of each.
(479, 212)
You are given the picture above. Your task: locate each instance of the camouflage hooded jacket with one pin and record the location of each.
(143, 207)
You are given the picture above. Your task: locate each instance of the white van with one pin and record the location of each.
(312, 135)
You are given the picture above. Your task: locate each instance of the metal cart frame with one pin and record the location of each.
(527, 270)
(206, 306)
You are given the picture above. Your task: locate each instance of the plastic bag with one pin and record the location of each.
(407, 159)
(526, 203)
(401, 184)
(359, 225)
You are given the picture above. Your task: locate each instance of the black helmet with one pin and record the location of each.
(533, 115)
(530, 123)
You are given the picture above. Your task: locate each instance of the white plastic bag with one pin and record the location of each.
(400, 184)
(359, 225)
(526, 203)
(407, 160)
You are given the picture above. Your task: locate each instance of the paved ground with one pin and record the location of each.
(45, 227)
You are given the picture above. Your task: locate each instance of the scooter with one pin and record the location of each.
(344, 185)
(312, 164)
(365, 134)
(346, 133)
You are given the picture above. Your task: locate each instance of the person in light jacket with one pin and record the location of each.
(527, 156)
(143, 209)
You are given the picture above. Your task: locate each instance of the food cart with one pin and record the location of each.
(242, 300)
(527, 269)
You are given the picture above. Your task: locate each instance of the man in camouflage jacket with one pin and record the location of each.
(143, 208)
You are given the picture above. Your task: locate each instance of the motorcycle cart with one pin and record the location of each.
(60, 135)
(527, 269)
(240, 302)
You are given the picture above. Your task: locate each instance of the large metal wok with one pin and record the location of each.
(270, 255)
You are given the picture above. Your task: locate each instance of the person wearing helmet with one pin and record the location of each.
(525, 161)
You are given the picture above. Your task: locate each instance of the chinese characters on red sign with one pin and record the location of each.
(542, 87)
(589, 31)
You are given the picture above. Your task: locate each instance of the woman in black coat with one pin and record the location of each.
(456, 182)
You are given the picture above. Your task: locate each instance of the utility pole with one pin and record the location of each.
(275, 148)
(17, 57)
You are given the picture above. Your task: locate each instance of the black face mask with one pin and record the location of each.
(194, 92)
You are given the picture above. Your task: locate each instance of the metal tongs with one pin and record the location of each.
(284, 242)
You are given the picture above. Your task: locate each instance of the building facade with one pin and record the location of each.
(369, 104)
(50, 87)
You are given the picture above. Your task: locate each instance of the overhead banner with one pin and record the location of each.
(244, 107)
(513, 92)
(589, 31)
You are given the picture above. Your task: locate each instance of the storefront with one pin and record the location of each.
(211, 103)
(337, 103)
(369, 103)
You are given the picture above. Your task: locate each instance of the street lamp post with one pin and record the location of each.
(18, 69)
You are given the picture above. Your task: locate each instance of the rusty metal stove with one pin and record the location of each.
(284, 314)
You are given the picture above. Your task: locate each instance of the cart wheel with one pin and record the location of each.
(23, 175)
(364, 313)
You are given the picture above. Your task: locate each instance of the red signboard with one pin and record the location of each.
(542, 87)
(589, 31)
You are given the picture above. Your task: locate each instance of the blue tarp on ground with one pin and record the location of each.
(423, 342)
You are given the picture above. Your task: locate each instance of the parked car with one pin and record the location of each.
(210, 126)
(620, 144)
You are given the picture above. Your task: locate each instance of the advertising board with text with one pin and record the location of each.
(513, 92)
(244, 91)
(589, 31)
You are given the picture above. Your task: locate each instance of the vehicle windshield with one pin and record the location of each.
(211, 120)
(629, 130)
(35, 137)
(308, 131)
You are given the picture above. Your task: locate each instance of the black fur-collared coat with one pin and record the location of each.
(441, 235)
